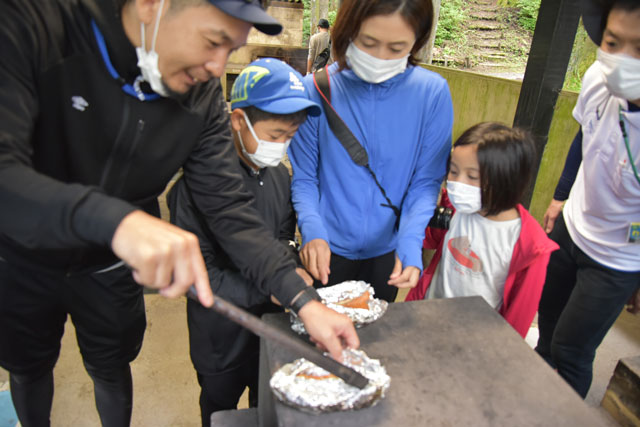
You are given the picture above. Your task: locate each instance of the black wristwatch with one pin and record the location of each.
(306, 295)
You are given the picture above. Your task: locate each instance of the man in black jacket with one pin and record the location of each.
(269, 103)
(92, 130)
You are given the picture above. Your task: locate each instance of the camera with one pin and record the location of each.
(441, 218)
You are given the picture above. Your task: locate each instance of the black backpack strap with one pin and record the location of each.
(337, 125)
(350, 143)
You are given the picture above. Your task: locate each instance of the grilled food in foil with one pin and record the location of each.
(353, 298)
(304, 385)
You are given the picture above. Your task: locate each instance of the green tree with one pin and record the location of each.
(450, 21)
(527, 11)
(528, 14)
(582, 56)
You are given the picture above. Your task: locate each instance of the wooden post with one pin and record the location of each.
(426, 53)
(323, 9)
(546, 68)
(313, 17)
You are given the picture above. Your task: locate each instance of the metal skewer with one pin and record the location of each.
(263, 329)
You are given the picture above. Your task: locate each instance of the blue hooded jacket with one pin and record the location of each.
(404, 124)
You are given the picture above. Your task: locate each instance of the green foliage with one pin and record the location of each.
(332, 16)
(582, 56)
(528, 14)
(451, 17)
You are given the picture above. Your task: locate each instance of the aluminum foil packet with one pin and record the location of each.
(333, 296)
(304, 385)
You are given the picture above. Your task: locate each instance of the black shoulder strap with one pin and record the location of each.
(340, 129)
(337, 125)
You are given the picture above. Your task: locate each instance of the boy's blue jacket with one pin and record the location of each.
(404, 124)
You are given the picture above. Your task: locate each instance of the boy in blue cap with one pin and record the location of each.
(268, 103)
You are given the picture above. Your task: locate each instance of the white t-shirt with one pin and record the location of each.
(475, 258)
(605, 197)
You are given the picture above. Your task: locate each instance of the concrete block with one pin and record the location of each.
(622, 398)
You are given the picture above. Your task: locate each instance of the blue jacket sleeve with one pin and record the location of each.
(422, 194)
(305, 193)
(571, 166)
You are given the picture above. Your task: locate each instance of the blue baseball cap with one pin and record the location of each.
(272, 86)
(251, 11)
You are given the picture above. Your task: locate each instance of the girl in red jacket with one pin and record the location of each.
(493, 248)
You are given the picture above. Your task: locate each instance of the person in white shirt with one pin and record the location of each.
(493, 248)
(597, 269)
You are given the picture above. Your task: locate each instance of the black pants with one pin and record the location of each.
(580, 301)
(225, 356)
(375, 271)
(107, 310)
(222, 391)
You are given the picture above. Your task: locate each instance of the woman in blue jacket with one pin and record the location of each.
(402, 115)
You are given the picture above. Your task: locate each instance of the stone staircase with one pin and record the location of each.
(494, 43)
(485, 34)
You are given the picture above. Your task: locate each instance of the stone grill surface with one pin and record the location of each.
(452, 362)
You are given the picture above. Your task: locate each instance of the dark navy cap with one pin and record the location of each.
(272, 86)
(593, 17)
(250, 11)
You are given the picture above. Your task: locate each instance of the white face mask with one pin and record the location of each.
(268, 154)
(621, 74)
(148, 60)
(464, 197)
(372, 69)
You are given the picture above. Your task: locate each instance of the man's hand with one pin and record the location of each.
(316, 257)
(329, 329)
(404, 278)
(633, 305)
(551, 215)
(162, 256)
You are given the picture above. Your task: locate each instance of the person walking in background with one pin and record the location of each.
(319, 45)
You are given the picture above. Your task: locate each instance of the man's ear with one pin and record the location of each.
(147, 10)
(237, 120)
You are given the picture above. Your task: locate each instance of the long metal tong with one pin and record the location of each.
(263, 329)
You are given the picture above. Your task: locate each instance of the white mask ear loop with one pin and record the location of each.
(250, 126)
(144, 44)
(155, 30)
(244, 149)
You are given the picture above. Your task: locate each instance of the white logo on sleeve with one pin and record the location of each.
(79, 103)
(296, 83)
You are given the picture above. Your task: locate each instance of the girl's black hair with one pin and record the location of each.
(505, 157)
